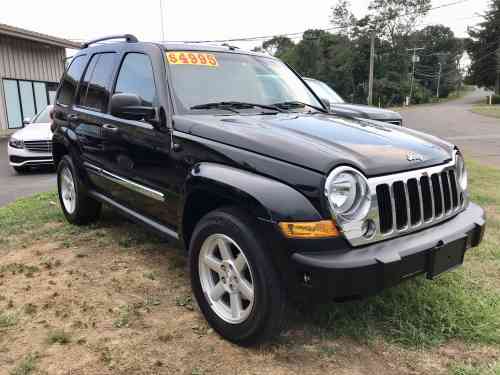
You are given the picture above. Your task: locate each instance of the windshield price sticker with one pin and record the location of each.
(192, 58)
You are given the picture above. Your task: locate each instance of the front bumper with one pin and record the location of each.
(367, 270)
(20, 157)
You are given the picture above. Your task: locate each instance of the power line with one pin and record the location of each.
(265, 37)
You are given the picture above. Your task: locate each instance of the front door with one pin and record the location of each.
(140, 162)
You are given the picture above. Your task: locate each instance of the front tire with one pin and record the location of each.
(233, 279)
(77, 206)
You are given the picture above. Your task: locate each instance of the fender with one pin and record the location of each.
(67, 138)
(268, 199)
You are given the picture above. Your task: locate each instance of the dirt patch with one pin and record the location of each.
(101, 305)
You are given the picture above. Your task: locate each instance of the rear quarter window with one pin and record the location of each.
(94, 90)
(70, 80)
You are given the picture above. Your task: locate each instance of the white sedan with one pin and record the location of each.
(32, 145)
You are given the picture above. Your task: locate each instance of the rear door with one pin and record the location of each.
(67, 91)
(90, 116)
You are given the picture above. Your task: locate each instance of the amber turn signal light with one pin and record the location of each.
(309, 229)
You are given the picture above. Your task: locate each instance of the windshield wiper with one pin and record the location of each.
(232, 105)
(297, 104)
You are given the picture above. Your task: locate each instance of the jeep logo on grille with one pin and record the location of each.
(413, 156)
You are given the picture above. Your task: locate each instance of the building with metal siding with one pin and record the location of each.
(30, 67)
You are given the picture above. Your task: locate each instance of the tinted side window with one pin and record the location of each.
(84, 85)
(70, 81)
(136, 77)
(96, 85)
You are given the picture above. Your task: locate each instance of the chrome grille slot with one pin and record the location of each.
(38, 146)
(446, 191)
(454, 188)
(385, 206)
(414, 197)
(438, 197)
(427, 198)
(400, 205)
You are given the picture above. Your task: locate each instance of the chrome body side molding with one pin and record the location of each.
(138, 188)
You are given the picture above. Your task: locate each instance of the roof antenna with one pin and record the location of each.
(162, 22)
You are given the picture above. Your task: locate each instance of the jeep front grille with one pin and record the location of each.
(39, 146)
(410, 203)
(405, 202)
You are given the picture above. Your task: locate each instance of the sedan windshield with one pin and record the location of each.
(42, 117)
(233, 82)
(324, 91)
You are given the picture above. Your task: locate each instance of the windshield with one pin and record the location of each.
(200, 78)
(42, 117)
(324, 91)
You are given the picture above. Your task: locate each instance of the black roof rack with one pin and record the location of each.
(128, 37)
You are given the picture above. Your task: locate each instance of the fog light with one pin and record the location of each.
(369, 228)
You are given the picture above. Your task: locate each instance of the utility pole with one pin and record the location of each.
(414, 59)
(162, 22)
(439, 79)
(497, 81)
(372, 60)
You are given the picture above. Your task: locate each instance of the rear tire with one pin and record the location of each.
(247, 278)
(77, 206)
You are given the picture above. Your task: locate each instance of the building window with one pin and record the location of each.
(24, 99)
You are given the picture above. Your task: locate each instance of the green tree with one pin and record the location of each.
(443, 52)
(395, 20)
(484, 47)
(278, 45)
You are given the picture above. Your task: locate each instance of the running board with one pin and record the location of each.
(141, 219)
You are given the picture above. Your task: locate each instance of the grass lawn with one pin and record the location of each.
(111, 298)
(487, 110)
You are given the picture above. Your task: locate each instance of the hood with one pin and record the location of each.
(34, 132)
(322, 141)
(365, 111)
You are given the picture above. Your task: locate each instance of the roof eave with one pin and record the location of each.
(37, 37)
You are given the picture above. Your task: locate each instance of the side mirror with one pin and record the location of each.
(326, 103)
(27, 121)
(130, 107)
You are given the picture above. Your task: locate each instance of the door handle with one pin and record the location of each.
(73, 117)
(110, 128)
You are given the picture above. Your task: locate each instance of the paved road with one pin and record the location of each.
(478, 136)
(13, 185)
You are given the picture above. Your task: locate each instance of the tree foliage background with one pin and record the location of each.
(340, 57)
(484, 49)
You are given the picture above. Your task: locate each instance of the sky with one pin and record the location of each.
(200, 20)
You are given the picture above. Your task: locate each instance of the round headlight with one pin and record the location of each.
(348, 194)
(461, 172)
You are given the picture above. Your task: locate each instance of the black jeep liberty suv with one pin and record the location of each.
(231, 154)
